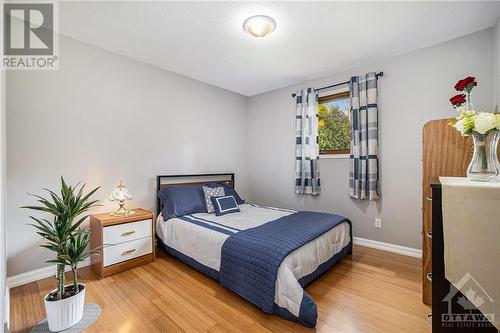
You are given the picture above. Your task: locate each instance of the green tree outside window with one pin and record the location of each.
(334, 125)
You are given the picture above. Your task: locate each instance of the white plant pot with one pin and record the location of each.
(66, 312)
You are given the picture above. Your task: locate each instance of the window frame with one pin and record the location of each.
(336, 153)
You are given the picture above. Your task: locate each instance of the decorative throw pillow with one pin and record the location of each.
(210, 192)
(229, 191)
(225, 205)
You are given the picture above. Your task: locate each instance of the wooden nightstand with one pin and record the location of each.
(127, 242)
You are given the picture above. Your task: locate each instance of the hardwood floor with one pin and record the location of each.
(370, 291)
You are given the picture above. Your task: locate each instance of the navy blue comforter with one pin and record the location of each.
(250, 258)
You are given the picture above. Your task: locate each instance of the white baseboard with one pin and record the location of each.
(407, 251)
(36, 274)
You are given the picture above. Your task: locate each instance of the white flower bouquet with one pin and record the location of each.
(469, 122)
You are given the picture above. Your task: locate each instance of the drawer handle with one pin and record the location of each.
(128, 233)
(429, 234)
(429, 318)
(429, 198)
(124, 253)
(429, 276)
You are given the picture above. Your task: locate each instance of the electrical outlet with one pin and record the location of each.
(378, 223)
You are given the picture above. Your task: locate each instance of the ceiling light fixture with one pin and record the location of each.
(259, 25)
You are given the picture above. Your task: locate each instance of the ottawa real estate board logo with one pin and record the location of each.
(29, 40)
(472, 309)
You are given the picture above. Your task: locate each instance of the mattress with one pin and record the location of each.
(199, 238)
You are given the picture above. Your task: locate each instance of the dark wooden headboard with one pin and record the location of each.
(163, 181)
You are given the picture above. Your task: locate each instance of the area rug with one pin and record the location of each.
(90, 313)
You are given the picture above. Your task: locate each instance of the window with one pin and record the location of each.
(334, 125)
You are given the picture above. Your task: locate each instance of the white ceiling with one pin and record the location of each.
(206, 41)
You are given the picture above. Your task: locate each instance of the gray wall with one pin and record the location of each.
(415, 89)
(496, 65)
(102, 118)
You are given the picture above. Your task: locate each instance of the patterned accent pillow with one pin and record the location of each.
(229, 191)
(225, 205)
(210, 192)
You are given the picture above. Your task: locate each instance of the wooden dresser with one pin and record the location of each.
(126, 241)
(445, 153)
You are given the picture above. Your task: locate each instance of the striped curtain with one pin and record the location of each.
(363, 173)
(306, 143)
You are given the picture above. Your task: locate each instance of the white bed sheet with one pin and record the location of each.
(204, 245)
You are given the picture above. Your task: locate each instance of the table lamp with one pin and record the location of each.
(121, 194)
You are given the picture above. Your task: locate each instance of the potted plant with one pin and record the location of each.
(64, 236)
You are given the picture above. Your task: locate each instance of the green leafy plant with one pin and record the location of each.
(62, 233)
(76, 252)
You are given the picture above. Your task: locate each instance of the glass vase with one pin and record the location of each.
(495, 155)
(484, 165)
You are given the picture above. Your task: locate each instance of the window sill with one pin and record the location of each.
(334, 156)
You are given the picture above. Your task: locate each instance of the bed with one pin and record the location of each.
(267, 255)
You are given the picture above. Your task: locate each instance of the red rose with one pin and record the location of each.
(466, 84)
(457, 100)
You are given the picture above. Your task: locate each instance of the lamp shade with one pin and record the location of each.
(120, 193)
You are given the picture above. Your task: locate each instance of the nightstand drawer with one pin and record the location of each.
(127, 231)
(125, 251)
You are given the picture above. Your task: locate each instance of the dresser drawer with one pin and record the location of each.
(125, 251)
(120, 233)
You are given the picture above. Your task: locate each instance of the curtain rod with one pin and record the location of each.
(340, 84)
